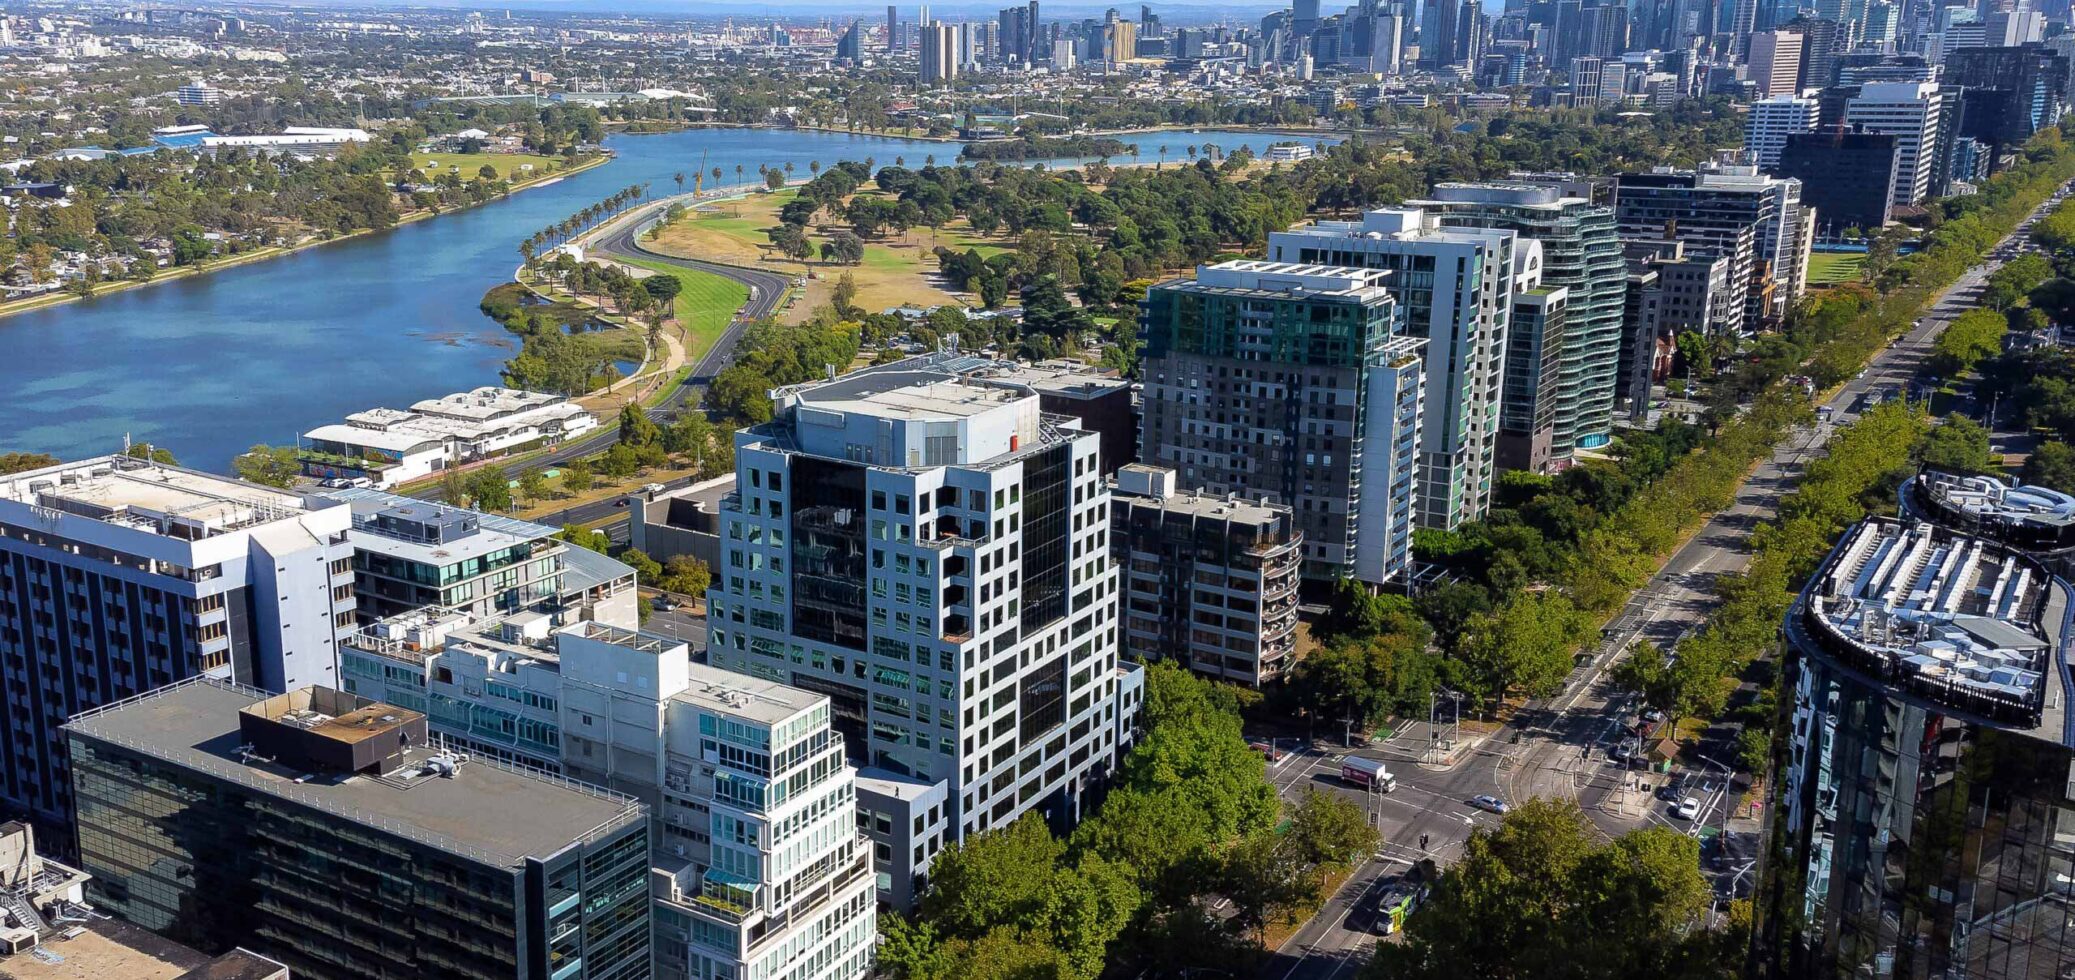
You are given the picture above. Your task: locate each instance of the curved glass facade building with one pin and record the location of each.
(1926, 827)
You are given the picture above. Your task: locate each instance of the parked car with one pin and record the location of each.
(1687, 809)
(1672, 787)
(1490, 804)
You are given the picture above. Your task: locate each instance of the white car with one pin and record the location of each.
(1490, 804)
(1687, 809)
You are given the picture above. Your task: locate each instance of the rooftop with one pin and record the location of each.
(1958, 619)
(106, 948)
(742, 696)
(1291, 278)
(152, 497)
(428, 531)
(1061, 376)
(1997, 504)
(485, 812)
(483, 404)
(1200, 504)
(920, 398)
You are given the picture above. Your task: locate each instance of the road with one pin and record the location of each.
(620, 237)
(1557, 748)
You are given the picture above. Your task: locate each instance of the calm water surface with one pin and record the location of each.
(208, 366)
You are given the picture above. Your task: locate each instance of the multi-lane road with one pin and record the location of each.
(1557, 748)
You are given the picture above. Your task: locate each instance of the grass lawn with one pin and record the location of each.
(1829, 268)
(896, 271)
(704, 306)
(506, 164)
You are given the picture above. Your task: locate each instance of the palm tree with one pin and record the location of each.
(1192, 152)
(679, 177)
(788, 169)
(738, 172)
(929, 160)
(814, 166)
(1163, 157)
(716, 176)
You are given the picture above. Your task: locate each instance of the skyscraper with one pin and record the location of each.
(1291, 383)
(1771, 122)
(119, 575)
(851, 46)
(893, 29)
(1775, 63)
(1580, 250)
(1846, 177)
(1731, 210)
(1456, 286)
(922, 544)
(1928, 751)
(1918, 115)
(939, 53)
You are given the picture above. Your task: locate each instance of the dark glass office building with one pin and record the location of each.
(1926, 828)
(324, 830)
(1845, 176)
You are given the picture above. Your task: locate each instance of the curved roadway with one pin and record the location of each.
(766, 291)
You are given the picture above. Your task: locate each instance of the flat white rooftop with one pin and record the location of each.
(155, 497)
(742, 696)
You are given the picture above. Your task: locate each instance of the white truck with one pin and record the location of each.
(1367, 773)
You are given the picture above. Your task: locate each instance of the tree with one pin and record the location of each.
(1957, 443)
(619, 462)
(1329, 829)
(533, 485)
(637, 429)
(1538, 896)
(24, 462)
(686, 575)
(157, 454)
(1973, 337)
(1525, 644)
(1266, 881)
(453, 488)
(2051, 465)
(273, 466)
(487, 172)
(576, 476)
(597, 541)
(490, 488)
(844, 298)
(647, 571)
(774, 179)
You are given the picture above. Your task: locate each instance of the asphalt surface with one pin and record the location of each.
(1558, 748)
(621, 237)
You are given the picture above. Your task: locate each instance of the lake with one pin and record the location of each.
(210, 365)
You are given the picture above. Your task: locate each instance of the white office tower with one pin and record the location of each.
(1773, 120)
(1456, 286)
(1915, 113)
(759, 869)
(119, 575)
(926, 548)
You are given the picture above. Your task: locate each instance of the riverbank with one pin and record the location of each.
(178, 273)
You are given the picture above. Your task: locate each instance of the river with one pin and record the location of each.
(209, 365)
